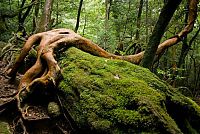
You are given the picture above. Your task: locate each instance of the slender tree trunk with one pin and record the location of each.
(159, 29)
(106, 23)
(186, 47)
(78, 16)
(147, 20)
(137, 36)
(35, 20)
(45, 20)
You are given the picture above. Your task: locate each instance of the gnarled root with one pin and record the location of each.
(46, 72)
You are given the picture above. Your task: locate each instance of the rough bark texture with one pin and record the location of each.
(46, 17)
(137, 34)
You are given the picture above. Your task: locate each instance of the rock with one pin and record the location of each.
(114, 96)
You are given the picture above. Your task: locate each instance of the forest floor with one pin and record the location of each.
(8, 88)
(10, 114)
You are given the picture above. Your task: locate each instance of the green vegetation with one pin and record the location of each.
(4, 128)
(115, 96)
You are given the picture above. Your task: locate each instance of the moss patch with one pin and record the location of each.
(114, 96)
(53, 109)
(4, 128)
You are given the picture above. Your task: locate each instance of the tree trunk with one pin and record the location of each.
(185, 46)
(147, 21)
(138, 21)
(106, 23)
(78, 15)
(45, 19)
(159, 29)
(35, 20)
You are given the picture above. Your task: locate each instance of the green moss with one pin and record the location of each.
(104, 94)
(4, 128)
(53, 109)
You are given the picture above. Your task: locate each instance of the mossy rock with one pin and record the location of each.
(53, 109)
(4, 128)
(114, 96)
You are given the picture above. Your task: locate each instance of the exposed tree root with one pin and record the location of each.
(46, 73)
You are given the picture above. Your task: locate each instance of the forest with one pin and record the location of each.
(99, 66)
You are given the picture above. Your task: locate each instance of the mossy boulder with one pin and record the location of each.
(4, 128)
(115, 96)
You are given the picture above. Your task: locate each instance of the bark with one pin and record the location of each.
(137, 37)
(78, 15)
(159, 29)
(45, 21)
(36, 12)
(147, 20)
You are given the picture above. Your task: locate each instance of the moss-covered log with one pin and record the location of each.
(114, 96)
